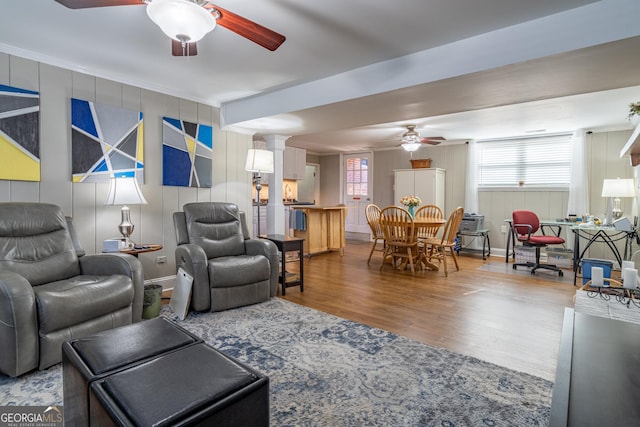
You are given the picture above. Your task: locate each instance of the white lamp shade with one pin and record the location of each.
(181, 20)
(410, 146)
(618, 188)
(259, 161)
(125, 191)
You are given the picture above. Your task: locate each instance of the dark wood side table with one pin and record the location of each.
(288, 244)
(141, 249)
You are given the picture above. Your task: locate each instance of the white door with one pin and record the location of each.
(358, 187)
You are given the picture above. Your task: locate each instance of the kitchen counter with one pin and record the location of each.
(325, 228)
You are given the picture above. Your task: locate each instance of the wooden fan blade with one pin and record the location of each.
(248, 29)
(86, 4)
(190, 49)
(432, 140)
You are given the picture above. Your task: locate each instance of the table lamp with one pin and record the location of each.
(613, 189)
(125, 191)
(259, 161)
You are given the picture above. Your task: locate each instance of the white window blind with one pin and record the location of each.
(530, 162)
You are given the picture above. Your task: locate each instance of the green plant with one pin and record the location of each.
(634, 110)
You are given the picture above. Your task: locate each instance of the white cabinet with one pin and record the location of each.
(295, 160)
(428, 184)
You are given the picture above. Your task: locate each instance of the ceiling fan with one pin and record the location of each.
(187, 21)
(411, 140)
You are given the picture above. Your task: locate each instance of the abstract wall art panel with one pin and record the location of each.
(187, 153)
(19, 134)
(105, 141)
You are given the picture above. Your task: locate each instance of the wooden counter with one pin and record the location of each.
(325, 229)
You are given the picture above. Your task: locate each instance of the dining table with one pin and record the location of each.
(420, 225)
(423, 224)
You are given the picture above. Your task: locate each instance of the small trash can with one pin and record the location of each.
(152, 301)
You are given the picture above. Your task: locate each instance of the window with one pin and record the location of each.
(525, 162)
(357, 177)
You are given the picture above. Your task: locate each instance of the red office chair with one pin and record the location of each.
(525, 225)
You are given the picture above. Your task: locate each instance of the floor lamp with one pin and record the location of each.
(259, 162)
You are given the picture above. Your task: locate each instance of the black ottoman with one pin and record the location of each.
(87, 359)
(194, 385)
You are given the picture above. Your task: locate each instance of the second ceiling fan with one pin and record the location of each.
(187, 21)
(411, 139)
(412, 136)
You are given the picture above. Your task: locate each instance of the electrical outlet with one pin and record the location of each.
(161, 259)
(503, 229)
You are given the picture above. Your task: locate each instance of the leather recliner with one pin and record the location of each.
(229, 268)
(51, 292)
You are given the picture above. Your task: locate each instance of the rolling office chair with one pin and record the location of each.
(525, 224)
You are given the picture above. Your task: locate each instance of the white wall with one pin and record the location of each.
(84, 202)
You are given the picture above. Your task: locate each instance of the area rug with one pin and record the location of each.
(328, 371)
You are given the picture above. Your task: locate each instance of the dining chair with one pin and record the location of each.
(399, 236)
(441, 247)
(372, 212)
(423, 233)
(428, 211)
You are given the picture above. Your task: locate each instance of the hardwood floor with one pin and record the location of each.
(486, 310)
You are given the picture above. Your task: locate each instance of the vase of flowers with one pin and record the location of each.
(411, 202)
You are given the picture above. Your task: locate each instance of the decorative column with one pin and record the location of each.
(275, 207)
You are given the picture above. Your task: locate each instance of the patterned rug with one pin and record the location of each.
(328, 371)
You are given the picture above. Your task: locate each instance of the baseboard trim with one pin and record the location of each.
(167, 282)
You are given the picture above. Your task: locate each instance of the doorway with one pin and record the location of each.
(309, 187)
(357, 190)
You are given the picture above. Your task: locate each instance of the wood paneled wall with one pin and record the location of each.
(603, 161)
(84, 202)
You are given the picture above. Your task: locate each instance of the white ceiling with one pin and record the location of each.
(352, 74)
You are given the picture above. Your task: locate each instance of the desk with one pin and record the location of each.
(556, 227)
(288, 244)
(605, 234)
(481, 232)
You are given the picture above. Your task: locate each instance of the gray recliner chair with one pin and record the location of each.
(229, 268)
(51, 292)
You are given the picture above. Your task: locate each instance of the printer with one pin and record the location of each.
(471, 222)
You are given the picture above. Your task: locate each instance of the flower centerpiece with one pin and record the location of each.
(411, 202)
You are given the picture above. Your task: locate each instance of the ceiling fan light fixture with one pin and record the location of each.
(410, 146)
(182, 20)
(411, 139)
(411, 136)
